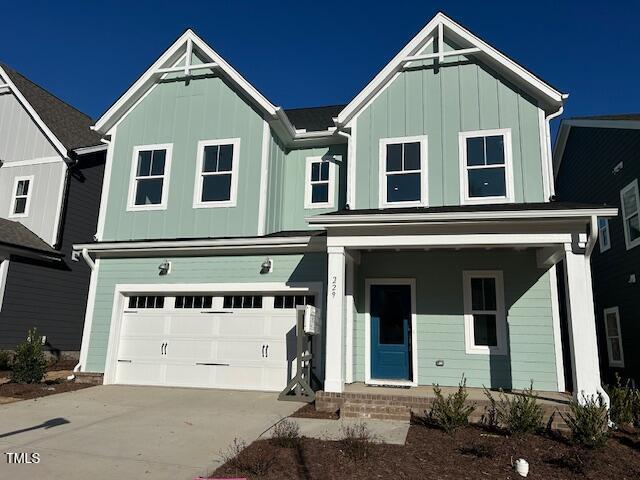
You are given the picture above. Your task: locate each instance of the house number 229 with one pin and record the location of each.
(334, 286)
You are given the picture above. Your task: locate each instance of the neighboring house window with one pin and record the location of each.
(486, 173)
(403, 171)
(150, 177)
(630, 201)
(614, 337)
(21, 200)
(603, 234)
(320, 179)
(484, 312)
(217, 173)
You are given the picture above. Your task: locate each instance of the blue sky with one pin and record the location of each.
(317, 53)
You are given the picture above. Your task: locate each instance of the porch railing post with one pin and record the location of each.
(335, 348)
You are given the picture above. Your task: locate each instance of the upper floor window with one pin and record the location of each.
(484, 312)
(403, 171)
(630, 200)
(603, 234)
(320, 176)
(486, 173)
(217, 173)
(150, 177)
(21, 200)
(614, 338)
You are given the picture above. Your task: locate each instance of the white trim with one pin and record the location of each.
(500, 312)
(33, 161)
(604, 230)
(29, 196)
(106, 184)
(88, 318)
(383, 174)
(57, 144)
(495, 59)
(612, 362)
(557, 336)
(331, 181)
(546, 163)
(465, 199)
(122, 290)
(4, 269)
(633, 186)
(349, 307)
(93, 149)
(131, 206)
(368, 282)
(264, 179)
(61, 194)
(197, 189)
(352, 170)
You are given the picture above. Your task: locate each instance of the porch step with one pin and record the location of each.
(375, 410)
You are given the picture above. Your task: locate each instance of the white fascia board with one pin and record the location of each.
(57, 144)
(87, 150)
(586, 213)
(497, 58)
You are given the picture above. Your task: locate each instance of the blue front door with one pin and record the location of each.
(390, 332)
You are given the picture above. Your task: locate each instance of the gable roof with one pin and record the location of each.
(65, 126)
(313, 119)
(470, 44)
(18, 237)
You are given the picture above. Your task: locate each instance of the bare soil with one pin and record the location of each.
(309, 411)
(469, 453)
(35, 390)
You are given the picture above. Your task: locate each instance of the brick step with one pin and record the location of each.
(377, 411)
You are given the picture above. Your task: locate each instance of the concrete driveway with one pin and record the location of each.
(109, 432)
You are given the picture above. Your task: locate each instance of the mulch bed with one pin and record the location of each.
(35, 390)
(309, 411)
(469, 453)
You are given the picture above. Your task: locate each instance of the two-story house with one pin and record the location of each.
(51, 166)
(418, 218)
(596, 160)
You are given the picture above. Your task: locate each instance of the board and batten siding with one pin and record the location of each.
(290, 269)
(459, 95)
(440, 317)
(184, 113)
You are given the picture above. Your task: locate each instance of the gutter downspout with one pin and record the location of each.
(548, 118)
(349, 163)
(92, 266)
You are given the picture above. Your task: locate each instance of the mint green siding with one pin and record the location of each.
(183, 113)
(440, 317)
(302, 268)
(460, 95)
(285, 207)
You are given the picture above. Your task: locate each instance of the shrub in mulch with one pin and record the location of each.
(242, 460)
(285, 433)
(588, 421)
(453, 411)
(520, 413)
(357, 441)
(29, 363)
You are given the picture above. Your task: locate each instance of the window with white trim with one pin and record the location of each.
(484, 312)
(21, 200)
(604, 237)
(146, 301)
(150, 177)
(216, 174)
(403, 171)
(293, 301)
(630, 201)
(614, 337)
(242, 301)
(320, 177)
(486, 167)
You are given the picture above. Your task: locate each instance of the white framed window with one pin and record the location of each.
(150, 169)
(485, 318)
(320, 180)
(614, 337)
(403, 172)
(604, 237)
(217, 173)
(21, 198)
(630, 201)
(486, 167)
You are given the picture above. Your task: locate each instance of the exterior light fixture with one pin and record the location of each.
(165, 267)
(267, 266)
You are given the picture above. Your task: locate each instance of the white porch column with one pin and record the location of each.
(335, 340)
(582, 326)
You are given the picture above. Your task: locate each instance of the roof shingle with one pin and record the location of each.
(16, 235)
(314, 119)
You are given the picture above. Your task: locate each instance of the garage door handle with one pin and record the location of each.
(266, 351)
(262, 351)
(124, 361)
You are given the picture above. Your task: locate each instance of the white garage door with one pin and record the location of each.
(248, 342)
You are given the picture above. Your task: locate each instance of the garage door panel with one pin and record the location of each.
(143, 324)
(140, 373)
(140, 347)
(189, 349)
(193, 324)
(232, 350)
(242, 325)
(187, 375)
(239, 377)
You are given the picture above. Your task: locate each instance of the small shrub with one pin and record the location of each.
(286, 433)
(451, 412)
(635, 407)
(622, 399)
(357, 441)
(255, 461)
(29, 363)
(5, 360)
(518, 414)
(588, 422)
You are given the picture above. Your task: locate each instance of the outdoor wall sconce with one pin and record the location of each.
(267, 266)
(439, 363)
(165, 267)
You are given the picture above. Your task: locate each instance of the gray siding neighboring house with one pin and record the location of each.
(596, 159)
(50, 185)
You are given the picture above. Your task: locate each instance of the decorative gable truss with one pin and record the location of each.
(189, 56)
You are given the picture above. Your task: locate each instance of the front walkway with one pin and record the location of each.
(109, 432)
